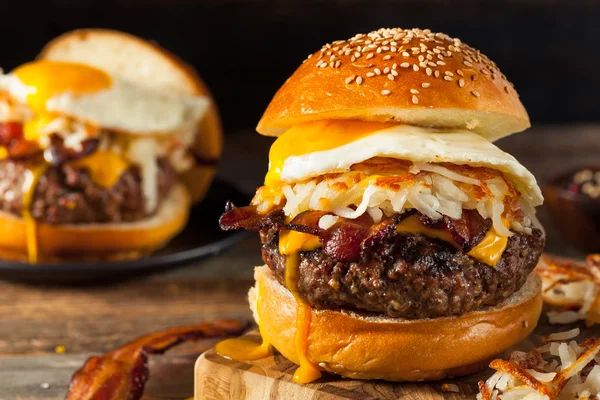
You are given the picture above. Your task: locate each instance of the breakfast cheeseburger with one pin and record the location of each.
(105, 142)
(398, 241)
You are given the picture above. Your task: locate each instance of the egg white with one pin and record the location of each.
(419, 145)
(123, 107)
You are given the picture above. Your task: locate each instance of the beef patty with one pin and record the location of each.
(67, 195)
(410, 276)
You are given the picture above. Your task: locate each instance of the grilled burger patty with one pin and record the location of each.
(67, 195)
(410, 276)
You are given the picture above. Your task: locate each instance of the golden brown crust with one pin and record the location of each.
(388, 75)
(392, 349)
(106, 242)
(182, 77)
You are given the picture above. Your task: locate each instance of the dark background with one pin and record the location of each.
(246, 49)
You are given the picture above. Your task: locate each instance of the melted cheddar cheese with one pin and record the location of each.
(291, 243)
(490, 249)
(31, 178)
(105, 168)
(413, 224)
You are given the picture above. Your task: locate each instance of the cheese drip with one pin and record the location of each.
(290, 245)
(245, 349)
(32, 177)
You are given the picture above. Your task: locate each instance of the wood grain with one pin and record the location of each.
(97, 319)
(218, 378)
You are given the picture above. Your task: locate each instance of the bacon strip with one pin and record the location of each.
(122, 373)
(11, 138)
(467, 231)
(249, 218)
(349, 239)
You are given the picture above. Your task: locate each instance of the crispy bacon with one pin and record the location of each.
(122, 373)
(57, 153)
(349, 239)
(249, 218)
(11, 138)
(467, 231)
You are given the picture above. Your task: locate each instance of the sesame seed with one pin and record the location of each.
(415, 99)
(475, 93)
(473, 78)
(390, 77)
(350, 79)
(385, 92)
(359, 80)
(370, 74)
(414, 91)
(377, 71)
(394, 72)
(425, 85)
(506, 89)
(448, 78)
(429, 49)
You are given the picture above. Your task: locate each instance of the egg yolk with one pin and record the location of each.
(315, 136)
(47, 79)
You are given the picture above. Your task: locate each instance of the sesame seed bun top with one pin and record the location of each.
(409, 76)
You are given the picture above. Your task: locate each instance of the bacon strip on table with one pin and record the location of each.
(122, 373)
(348, 239)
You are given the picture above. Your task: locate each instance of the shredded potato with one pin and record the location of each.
(386, 187)
(573, 287)
(539, 375)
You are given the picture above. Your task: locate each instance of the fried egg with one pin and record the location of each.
(90, 95)
(324, 147)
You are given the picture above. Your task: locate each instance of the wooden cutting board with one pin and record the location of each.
(218, 378)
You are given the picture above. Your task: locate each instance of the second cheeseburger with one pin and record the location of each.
(399, 242)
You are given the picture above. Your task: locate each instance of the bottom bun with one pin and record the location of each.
(98, 242)
(373, 347)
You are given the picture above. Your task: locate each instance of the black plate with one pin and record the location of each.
(202, 237)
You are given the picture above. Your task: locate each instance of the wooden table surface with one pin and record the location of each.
(88, 320)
